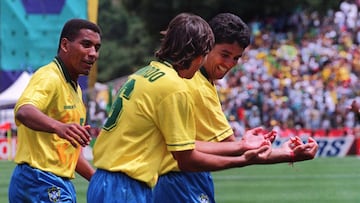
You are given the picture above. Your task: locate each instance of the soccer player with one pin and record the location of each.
(50, 116)
(232, 36)
(153, 113)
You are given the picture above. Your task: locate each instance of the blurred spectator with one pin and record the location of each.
(291, 82)
(300, 71)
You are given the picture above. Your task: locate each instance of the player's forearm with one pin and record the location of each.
(195, 161)
(277, 155)
(34, 119)
(220, 148)
(84, 168)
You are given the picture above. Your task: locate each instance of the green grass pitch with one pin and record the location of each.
(322, 180)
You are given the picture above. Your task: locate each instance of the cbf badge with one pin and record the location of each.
(204, 198)
(54, 194)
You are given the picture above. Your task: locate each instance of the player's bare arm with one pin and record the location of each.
(74, 133)
(195, 161)
(253, 139)
(293, 150)
(84, 168)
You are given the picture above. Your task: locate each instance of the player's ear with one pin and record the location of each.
(64, 43)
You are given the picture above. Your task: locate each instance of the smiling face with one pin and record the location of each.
(222, 58)
(80, 54)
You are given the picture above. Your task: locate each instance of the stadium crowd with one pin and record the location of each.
(301, 71)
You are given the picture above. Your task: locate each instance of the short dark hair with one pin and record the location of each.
(72, 27)
(186, 37)
(229, 28)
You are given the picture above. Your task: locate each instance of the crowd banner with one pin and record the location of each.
(328, 146)
(6, 127)
(7, 148)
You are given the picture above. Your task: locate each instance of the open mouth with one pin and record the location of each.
(89, 62)
(222, 68)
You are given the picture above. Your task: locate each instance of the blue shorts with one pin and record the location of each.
(29, 184)
(184, 187)
(115, 187)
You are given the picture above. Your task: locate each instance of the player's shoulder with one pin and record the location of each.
(197, 82)
(48, 75)
(49, 71)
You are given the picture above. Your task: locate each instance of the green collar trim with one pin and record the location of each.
(65, 72)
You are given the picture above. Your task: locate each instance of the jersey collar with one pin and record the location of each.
(205, 74)
(167, 62)
(65, 72)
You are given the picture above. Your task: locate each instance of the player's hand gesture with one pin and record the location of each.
(261, 153)
(75, 134)
(305, 151)
(257, 137)
(300, 151)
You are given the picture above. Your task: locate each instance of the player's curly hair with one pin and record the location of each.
(229, 28)
(187, 37)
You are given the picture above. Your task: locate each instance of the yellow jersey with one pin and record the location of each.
(52, 92)
(211, 122)
(152, 114)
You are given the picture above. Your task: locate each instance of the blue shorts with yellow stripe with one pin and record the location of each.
(117, 187)
(184, 187)
(29, 184)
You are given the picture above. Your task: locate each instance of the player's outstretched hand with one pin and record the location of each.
(75, 134)
(257, 137)
(262, 153)
(305, 151)
(270, 135)
(299, 150)
(294, 142)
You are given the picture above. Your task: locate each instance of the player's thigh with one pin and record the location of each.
(29, 184)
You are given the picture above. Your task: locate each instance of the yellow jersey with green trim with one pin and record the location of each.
(152, 114)
(52, 93)
(211, 122)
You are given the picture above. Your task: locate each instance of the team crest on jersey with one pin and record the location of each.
(54, 194)
(204, 198)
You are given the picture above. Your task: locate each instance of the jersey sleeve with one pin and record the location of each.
(176, 118)
(212, 124)
(39, 93)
